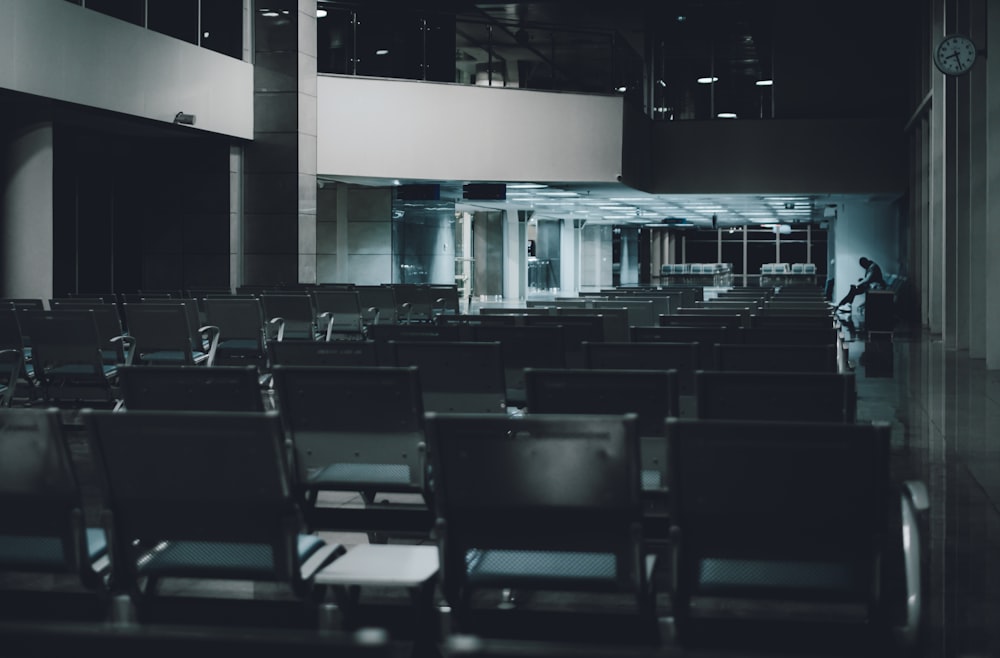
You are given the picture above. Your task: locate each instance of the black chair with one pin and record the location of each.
(791, 396)
(194, 494)
(704, 319)
(190, 388)
(650, 394)
(11, 338)
(523, 347)
(536, 504)
(109, 326)
(11, 362)
(685, 358)
(22, 304)
(357, 429)
(457, 376)
(383, 334)
(66, 357)
(240, 321)
(785, 536)
(42, 521)
(322, 353)
(378, 304)
(577, 329)
(162, 333)
(789, 336)
(414, 302)
(293, 314)
(706, 337)
(777, 358)
(339, 314)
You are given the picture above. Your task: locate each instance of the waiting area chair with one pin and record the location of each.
(190, 388)
(163, 334)
(540, 503)
(785, 537)
(42, 521)
(204, 495)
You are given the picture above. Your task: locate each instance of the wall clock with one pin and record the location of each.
(955, 54)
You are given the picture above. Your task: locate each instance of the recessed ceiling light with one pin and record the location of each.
(707, 80)
(382, 51)
(621, 90)
(726, 115)
(764, 83)
(321, 13)
(269, 13)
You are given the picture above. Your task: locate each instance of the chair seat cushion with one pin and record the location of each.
(46, 553)
(354, 474)
(718, 575)
(555, 565)
(220, 559)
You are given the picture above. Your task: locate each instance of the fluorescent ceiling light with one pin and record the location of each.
(382, 51)
(525, 186)
(621, 90)
(556, 193)
(270, 13)
(764, 83)
(726, 115)
(707, 80)
(321, 13)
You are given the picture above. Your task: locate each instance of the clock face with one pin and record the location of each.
(955, 55)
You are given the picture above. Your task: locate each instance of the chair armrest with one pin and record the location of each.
(328, 316)
(211, 332)
(13, 359)
(280, 323)
(320, 559)
(405, 309)
(128, 347)
(375, 312)
(913, 501)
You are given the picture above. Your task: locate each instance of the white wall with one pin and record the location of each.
(58, 50)
(863, 229)
(410, 129)
(26, 249)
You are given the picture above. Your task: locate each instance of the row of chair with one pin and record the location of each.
(779, 522)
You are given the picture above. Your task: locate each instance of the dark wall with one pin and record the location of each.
(138, 212)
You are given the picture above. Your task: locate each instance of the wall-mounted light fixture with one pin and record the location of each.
(184, 119)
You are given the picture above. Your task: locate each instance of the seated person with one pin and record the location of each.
(872, 280)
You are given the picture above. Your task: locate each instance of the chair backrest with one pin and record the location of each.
(563, 486)
(162, 332)
(703, 318)
(685, 358)
(382, 334)
(457, 376)
(21, 304)
(322, 353)
(788, 335)
(577, 329)
(414, 302)
(776, 358)
(194, 476)
(706, 337)
(792, 396)
(191, 388)
(66, 347)
(11, 362)
(615, 318)
(650, 394)
(295, 309)
(41, 509)
(109, 323)
(788, 511)
(362, 417)
(345, 308)
(382, 298)
(238, 318)
(523, 347)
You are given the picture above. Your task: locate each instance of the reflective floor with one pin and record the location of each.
(945, 408)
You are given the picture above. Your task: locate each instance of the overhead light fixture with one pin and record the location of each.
(764, 83)
(661, 82)
(621, 90)
(707, 80)
(269, 13)
(382, 51)
(525, 186)
(726, 115)
(321, 13)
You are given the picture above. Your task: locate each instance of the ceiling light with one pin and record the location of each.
(525, 186)
(269, 13)
(764, 83)
(621, 90)
(321, 13)
(556, 193)
(707, 80)
(726, 115)
(382, 51)
(661, 82)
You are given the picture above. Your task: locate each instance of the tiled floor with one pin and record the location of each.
(945, 409)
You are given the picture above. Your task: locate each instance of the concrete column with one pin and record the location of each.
(978, 162)
(935, 235)
(26, 248)
(279, 232)
(992, 269)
